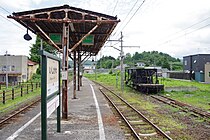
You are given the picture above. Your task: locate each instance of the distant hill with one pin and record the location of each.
(151, 58)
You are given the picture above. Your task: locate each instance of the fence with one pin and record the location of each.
(20, 90)
(180, 75)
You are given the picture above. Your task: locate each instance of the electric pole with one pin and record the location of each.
(121, 59)
(121, 63)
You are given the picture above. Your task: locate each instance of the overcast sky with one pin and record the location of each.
(176, 27)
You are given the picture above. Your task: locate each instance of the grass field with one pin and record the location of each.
(12, 104)
(199, 98)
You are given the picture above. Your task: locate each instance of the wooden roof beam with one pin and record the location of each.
(77, 44)
(49, 40)
(23, 18)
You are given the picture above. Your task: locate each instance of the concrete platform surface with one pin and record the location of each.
(89, 118)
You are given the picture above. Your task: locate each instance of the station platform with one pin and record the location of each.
(89, 118)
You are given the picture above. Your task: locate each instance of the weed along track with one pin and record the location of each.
(140, 126)
(7, 119)
(183, 106)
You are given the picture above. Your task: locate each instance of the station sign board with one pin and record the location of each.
(89, 40)
(52, 76)
(50, 90)
(56, 37)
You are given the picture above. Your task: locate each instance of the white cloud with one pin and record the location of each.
(154, 27)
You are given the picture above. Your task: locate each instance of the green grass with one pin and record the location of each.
(199, 98)
(11, 104)
(134, 97)
(176, 83)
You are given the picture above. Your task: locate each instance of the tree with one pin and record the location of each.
(34, 56)
(105, 62)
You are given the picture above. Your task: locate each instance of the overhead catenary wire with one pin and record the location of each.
(165, 42)
(132, 16)
(8, 19)
(5, 10)
(127, 15)
(189, 26)
(114, 7)
(12, 22)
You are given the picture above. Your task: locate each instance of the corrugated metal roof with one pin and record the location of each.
(51, 20)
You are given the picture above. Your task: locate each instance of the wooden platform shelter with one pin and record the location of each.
(75, 32)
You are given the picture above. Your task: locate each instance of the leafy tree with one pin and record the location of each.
(153, 58)
(105, 62)
(34, 49)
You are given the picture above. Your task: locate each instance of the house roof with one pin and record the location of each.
(31, 63)
(196, 55)
(81, 22)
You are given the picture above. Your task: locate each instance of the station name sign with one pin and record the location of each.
(52, 76)
(89, 40)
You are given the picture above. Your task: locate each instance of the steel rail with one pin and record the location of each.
(18, 112)
(124, 118)
(146, 119)
(182, 105)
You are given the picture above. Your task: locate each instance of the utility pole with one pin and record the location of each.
(121, 60)
(121, 63)
(6, 71)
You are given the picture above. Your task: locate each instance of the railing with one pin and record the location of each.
(20, 90)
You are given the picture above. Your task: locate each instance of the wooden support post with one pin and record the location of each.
(65, 69)
(13, 93)
(74, 90)
(21, 90)
(78, 71)
(3, 100)
(80, 67)
(27, 88)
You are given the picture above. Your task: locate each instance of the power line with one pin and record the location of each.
(127, 15)
(5, 9)
(133, 15)
(114, 7)
(12, 22)
(184, 34)
(8, 19)
(190, 26)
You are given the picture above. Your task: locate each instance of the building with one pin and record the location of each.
(31, 69)
(13, 66)
(207, 72)
(140, 64)
(195, 65)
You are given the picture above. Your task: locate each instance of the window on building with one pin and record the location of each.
(13, 68)
(8, 68)
(4, 68)
(185, 62)
(24, 76)
(209, 74)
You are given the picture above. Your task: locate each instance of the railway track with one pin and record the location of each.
(6, 120)
(140, 126)
(183, 106)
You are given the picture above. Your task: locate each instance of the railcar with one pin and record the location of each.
(143, 80)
